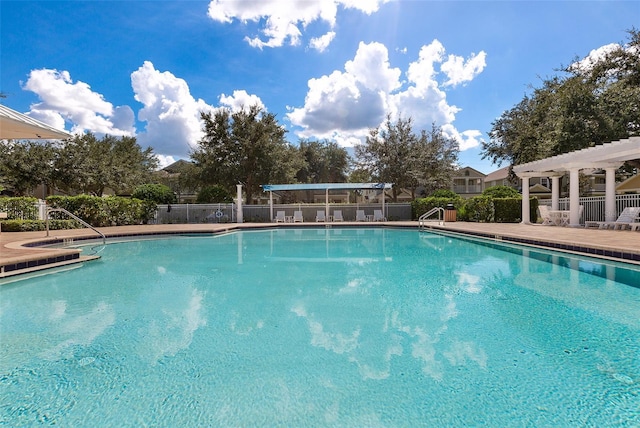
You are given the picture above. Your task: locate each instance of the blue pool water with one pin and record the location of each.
(322, 327)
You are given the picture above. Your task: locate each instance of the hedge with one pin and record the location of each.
(21, 208)
(108, 211)
(38, 225)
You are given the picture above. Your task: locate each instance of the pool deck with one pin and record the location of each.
(23, 252)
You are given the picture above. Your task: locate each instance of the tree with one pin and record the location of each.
(214, 194)
(324, 162)
(588, 103)
(247, 147)
(89, 165)
(397, 155)
(25, 165)
(158, 193)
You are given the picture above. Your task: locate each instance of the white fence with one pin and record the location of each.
(594, 205)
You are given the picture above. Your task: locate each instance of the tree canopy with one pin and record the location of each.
(324, 162)
(395, 154)
(246, 146)
(82, 164)
(589, 103)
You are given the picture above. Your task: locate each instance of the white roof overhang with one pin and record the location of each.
(17, 126)
(325, 186)
(608, 155)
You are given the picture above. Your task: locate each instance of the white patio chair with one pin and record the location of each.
(378, 216)
(337, 215)
(627, 218)
(297, 217)
(360, 215)
(543, 210)
(279, 217)
(320, 216)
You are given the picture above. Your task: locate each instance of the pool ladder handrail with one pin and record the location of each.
(423, 218)
(76, 218)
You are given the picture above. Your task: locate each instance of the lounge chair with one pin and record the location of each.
(320, 216)
(337, 215)
(627, 218)
(360, 216)
(297, 217)
(543, 210)
(279, 217)
(378, 216)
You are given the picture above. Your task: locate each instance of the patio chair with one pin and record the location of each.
(297, 217)
(279, 217)
(543, 210)
(627, 218)
(378, 216)
(320, 216)
(360, 216)
(337, 215)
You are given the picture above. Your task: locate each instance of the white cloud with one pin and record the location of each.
(170, 111)
(63, 100)
(595, 56)
(240, 100)
(321, 43)
(344, 105)
(282, 21)
(460, 71)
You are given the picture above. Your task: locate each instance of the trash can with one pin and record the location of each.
(450, 213)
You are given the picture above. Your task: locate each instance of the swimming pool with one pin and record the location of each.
(316, 327)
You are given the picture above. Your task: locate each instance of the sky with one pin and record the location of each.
(328, 69)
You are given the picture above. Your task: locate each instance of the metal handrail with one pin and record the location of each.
(76, 218)
(429, 213)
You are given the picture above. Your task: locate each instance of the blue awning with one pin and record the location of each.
(326, 186)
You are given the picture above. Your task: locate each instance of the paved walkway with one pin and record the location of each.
(16, 256)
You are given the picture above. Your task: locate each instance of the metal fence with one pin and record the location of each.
(594, 206)
(226, 213)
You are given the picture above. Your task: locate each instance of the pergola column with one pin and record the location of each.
(574, 197)
(555, 192)
(610, 213)
(526, 217)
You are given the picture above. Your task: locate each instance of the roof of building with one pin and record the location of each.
(499, 174)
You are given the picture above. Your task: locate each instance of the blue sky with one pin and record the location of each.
(329, 69)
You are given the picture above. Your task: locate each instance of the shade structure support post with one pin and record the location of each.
(526, 217)
(326, 203)
(271, 205)
(239, 216)
(610, 213)
(574, 197)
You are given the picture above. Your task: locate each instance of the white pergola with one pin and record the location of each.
(326, 187)
(608, 156)
(18, 126)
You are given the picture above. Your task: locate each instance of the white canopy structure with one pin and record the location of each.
(17, 126)
(326, 187)
(608, 157)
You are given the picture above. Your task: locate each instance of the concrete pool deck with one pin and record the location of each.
(23, 252)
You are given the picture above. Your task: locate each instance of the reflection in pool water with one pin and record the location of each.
(308, 327)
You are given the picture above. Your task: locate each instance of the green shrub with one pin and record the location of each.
(38, 225)
(101, 212)
(479, 208)
(507, 210)
(21, 208)
(501, 192)
(158, 193)
(422, 205)
(444, 193)
(214, 195)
